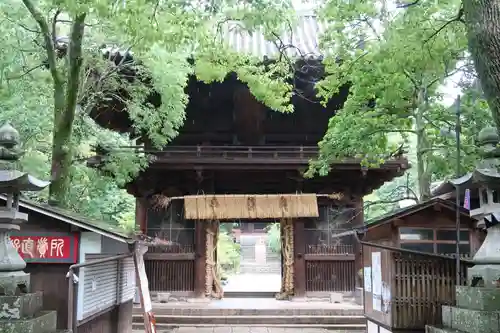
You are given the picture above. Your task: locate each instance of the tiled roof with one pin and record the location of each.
(302, 41)
(304, 38)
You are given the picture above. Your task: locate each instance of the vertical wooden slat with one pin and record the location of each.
(330, 276)
(299, 261)
(173, 275)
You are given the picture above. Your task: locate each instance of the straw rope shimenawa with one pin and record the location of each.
(287, 286)
(213, 208)
(246, 206)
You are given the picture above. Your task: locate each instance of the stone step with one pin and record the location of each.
(249, 294)
(22, 306)
(251, 320)
(317, 310)
(139, 328)
(435, 329)
(259, 268)
(471, 321)
(475, 298)
(44, 322)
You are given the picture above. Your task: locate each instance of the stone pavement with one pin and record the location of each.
(248, 282)
(243, 329)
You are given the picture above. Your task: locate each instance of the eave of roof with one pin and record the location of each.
(76, 220)
(403, 212)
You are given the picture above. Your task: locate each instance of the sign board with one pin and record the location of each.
(145, 297)
(46, 248)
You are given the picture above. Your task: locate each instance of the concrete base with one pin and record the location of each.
(10, 282)
(359, 296)
(45, 322)
(24, 306)
(471, 321)
(483, 299)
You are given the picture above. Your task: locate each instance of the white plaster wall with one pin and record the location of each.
(90, 242)
(112, 246)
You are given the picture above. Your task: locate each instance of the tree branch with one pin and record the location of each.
(49, 45)
(54, 26)
(406, 5)
(458, 18)
(392, 131)
(25, 73)
(22, 25)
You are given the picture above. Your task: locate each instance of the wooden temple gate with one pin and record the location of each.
(183, 261)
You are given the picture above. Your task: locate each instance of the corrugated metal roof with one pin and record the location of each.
(302, 39)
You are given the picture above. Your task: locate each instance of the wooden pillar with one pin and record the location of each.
(141, 214)
(199, 259)
(299, 261)
(358, 249)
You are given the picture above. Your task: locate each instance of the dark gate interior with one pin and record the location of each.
(330, 261)
(170, 262)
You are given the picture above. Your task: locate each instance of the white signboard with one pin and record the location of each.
(386, 298)
(367, 272)
(371, 327)
(377, 280)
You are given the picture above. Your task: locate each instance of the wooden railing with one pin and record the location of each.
(330, 275)
(237, 152)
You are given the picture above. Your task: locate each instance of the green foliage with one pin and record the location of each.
(228, 254)
(163, 36)
(397, 60)
(274, 237)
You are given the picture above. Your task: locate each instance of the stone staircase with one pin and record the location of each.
(339, 319)
(477, 311)
(24, 314)
(249, 264)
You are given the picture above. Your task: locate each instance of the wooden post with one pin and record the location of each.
(358, 249)
(142, 283)
(200, 258)
(141, 214)
(299, 250)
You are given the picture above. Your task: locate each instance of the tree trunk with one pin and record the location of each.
(482, 18)
(64, 116)
(424, 179)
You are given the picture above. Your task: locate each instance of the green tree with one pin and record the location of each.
(74, 79)
(274, 237)
(397, 61)
(480, 18)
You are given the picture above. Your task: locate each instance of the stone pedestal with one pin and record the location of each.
(23, 313)
(477, 311)
(20, 310)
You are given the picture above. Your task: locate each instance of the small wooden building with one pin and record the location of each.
(404, 290)
(51, 241)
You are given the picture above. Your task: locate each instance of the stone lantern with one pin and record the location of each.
(485, 179)
(12, 182)
(478, 303)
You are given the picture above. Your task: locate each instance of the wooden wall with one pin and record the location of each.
(49, 278)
